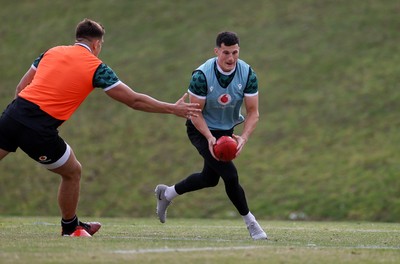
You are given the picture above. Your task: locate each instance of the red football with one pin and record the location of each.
(225, 148)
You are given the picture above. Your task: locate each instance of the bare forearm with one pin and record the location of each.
(147, 103)
(250, 125)
(201, 125)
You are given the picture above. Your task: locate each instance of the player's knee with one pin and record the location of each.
(77, 171)
(70, 172)
(212, 182)
(73, 175)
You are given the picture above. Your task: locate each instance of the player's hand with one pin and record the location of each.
(211, 143)
(240, 143)
(186, 110)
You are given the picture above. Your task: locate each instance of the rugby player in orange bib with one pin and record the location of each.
(48, 94)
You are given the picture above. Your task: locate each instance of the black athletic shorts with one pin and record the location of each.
(43, 145)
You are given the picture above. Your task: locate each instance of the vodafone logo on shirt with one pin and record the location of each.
(224, 99)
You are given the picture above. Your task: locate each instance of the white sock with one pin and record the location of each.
(249, 218)
(170, 193)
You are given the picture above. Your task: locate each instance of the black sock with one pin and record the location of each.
(69, 225)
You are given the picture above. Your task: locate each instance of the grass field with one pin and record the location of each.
(327, 141)
(145, 240)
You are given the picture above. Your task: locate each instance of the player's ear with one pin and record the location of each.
(96, 43)
(216, 51)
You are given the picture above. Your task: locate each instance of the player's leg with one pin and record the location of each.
(195, 181)
(234, 190)
(53, 153)
(207, 178)
(68, 192)
(70, 170)
(237, 196)
(212, 171)
(68, 197)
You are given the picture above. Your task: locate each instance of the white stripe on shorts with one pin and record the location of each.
(61, 161)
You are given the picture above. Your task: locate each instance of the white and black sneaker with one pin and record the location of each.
(162, 202)
(256, 232)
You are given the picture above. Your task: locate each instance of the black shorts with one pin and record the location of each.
(49, 149)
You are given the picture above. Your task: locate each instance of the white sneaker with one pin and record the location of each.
(162, 202)
(256, 232)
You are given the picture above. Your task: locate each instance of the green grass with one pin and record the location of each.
(145, 240)
(326, 145)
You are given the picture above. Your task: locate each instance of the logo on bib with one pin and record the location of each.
(224, 99)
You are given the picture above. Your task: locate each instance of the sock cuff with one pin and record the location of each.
(170, 193)
(69, 221)
(68, 225)
(249, 218)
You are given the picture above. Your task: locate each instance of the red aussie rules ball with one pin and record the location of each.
(225, 148)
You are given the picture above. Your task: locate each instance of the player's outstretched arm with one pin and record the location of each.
(146, 103)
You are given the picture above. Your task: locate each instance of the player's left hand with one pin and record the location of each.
(240, 143)
(186, 110)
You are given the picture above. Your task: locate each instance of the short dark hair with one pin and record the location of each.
(89, 29)
(228, 38)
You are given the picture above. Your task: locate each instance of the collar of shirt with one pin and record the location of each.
(84, 45)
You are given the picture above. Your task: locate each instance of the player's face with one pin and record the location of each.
(227, 56)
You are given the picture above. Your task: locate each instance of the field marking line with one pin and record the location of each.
(167, 250)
